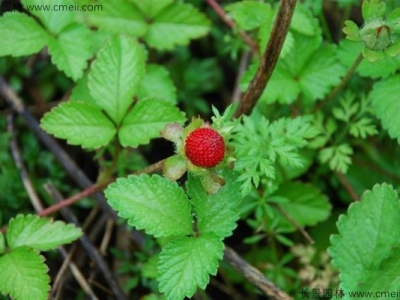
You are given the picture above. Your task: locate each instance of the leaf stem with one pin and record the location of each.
(224, 17)
(344, 81)
(268, 59)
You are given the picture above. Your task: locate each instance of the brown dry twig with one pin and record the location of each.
(268, 59)
(254, 275)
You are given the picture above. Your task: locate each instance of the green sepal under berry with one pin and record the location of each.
(379, 35)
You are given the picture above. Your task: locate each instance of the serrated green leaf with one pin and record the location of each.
(118, 17)
(79, 123)
(303, 22)
(386, 104)
(145, 121)
(21, 35)
(54, 17)
(348, 51)
(115, 75)
(176, 25)
(250, 14)
(151, 8)
(23, 275)
(185, 264)
(309, 71)
(156, 83)
(305, 204)
(216, 213)
(71, 50)
(367, 250)
(153, 203)
(39, 233)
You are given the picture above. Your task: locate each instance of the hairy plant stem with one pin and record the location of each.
(221, 13)
(268, 59)
(342, 83)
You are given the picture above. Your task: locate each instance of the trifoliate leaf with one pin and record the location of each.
(71, 50)
(305, 204)
(21, 35)
(39, 233)
(145, 121)
(216, 213)
(367, 250)
(55, 18)
(153, 203)
(157, 83)
(115, 75)
(151, 8)
(185, 264)
(338, 157)
(176, 25)
(23, 275)
(386, 104)
(79, 123)
(308, 71)
(249, 14)
(118, 17)
(81, 91)
(348, 52)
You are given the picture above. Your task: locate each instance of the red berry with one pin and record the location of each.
(205, 147)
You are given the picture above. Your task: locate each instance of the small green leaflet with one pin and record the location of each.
(39, 233)
(310, 70)
(367, 250)
(338, 157)
(147, 118)
(348, 52)
(250, 14)
(118, 17)
(69, 43)
(163, 24)
(151, 8)
(80, 123)
(156, 83)
(186, 262)
(54, 20)
(386, 104)
(153, 203)
(23, 274)
(21, 35)
(305, 204)
(115, 75)
(216, 213)
(176, 25)
(71, 50)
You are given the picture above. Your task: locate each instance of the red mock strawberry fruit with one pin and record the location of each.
(205, 147)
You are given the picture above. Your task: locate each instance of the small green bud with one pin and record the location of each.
(376, 35)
